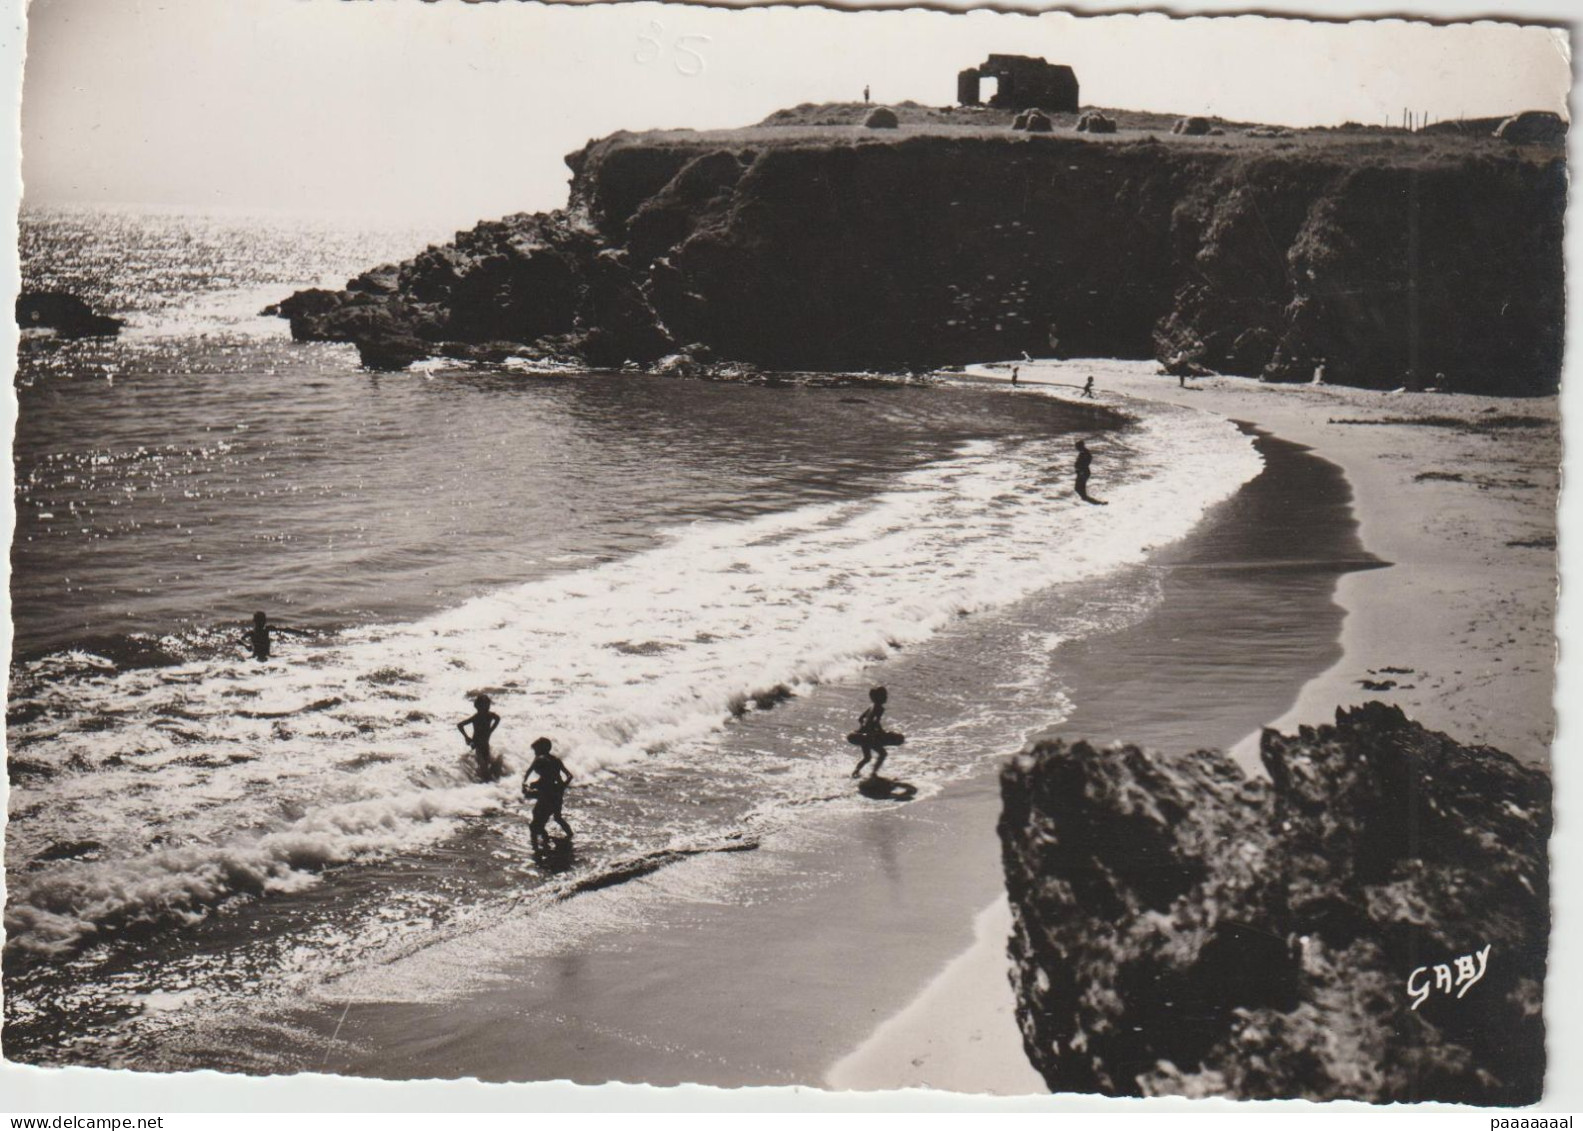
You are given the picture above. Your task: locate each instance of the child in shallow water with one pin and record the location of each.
(870, 733)
(258, 637)
(548, 791)
(484, 721)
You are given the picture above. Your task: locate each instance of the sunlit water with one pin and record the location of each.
(687, 585)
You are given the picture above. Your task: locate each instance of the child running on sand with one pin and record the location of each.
(548, 792)
(484, 721)
(870, 733)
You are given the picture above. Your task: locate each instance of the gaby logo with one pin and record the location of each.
(1427, 979)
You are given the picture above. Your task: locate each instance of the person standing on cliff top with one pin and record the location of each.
(1013, 374)
(865, 94)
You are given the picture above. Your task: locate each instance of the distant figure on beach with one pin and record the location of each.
(865, 94)
(1088, 388)
(1319, 372)
(1085, 462)
(484, 721)
(1181, 366)
(871, 734)
(1013, 374)
(547, 792)
(257, 638)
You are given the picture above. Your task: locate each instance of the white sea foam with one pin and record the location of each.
(216, 777)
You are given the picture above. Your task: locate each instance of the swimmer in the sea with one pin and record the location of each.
(484, 721)
(257, 638)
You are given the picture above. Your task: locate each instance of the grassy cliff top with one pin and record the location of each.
(840, 123)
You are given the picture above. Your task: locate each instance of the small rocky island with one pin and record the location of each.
(65, 314)
(1370, 923)
(814, 241)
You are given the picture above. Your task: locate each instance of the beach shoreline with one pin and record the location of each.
(1466, 519)
(868, 954)
(765, 968)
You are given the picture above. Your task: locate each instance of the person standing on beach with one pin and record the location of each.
(1085, 462)
(257, 638)
(484, 721)
(1013, 374)
(870, 733)
(548, 792)
(1088, 389)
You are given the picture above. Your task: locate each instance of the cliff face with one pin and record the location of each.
(1179, 929)
(800, 248)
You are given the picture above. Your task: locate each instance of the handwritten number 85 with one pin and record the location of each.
(685, 58)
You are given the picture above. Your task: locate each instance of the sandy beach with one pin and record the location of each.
(864, 949)
(771, 966)
(1458, 494)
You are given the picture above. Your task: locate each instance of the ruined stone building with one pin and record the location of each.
(1022, 82)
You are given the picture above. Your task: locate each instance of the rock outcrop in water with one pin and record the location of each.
(789, 245)
(66, 314)
(1181, 929)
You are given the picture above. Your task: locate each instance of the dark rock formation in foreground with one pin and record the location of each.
(1533, 127)
(66, 314)
(795, 246)
(1181, 929)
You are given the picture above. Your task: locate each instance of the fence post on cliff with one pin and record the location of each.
(1412, 279)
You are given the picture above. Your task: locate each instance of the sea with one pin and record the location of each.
(689, 586)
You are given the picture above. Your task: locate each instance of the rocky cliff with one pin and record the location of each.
(1369, 923)
(1388, 260)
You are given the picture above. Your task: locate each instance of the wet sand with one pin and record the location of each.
(1459, 630)
(1459, 494)
(832, 928)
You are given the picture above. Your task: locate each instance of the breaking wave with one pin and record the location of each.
(206, 778)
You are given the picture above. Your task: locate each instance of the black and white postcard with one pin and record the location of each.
(1005, 552)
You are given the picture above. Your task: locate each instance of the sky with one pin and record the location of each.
(459, 111)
